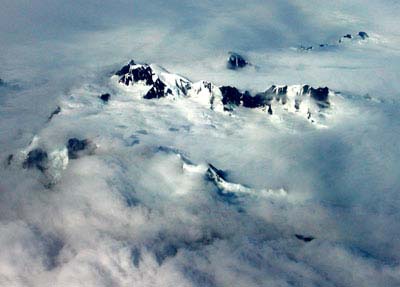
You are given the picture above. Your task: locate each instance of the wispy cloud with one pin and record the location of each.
(133, 213)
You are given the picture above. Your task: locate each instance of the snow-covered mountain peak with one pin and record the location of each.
(303, 100)
(161, 83)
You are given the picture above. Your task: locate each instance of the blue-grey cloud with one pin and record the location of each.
(138, 207)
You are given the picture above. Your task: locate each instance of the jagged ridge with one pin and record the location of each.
(303, 99)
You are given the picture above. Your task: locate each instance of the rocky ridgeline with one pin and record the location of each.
(157, 83)
(303, 99)
(348, 37)
(51, 164)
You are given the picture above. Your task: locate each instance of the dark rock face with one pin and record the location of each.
(105, 97)
(281, 94)
(305, 89)
(320, 95)
(231, 96)
(125, 69)
(130, 75)
(76, 147)
(304, 238)
(236, 61)
(259, 100)
(55, 112)
(143, 74)
(309, 48)
(363, 35)
(215, 174)
(36, 158)
(157, 91)
(264, 99)
(218, 178)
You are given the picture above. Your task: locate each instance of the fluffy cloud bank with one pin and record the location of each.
(141, 209)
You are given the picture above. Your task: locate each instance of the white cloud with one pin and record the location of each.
(131, 214)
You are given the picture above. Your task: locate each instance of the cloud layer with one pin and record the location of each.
(135, 213)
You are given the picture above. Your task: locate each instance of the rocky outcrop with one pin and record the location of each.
(36, 158)
(159, 90)
(236, 61)
(76, 148)
(105, 97)
(55, 112)
(363, 35)
(161, 82)
(291, 96)
(347, 37)
(304, 238)
(302, 99)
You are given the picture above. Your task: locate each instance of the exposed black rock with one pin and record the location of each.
(281, 94)
(320, 95)
(143, 74)
(303, 48)
(105, 97)
(157, 91)
(236, 61)
(269, 110)
(363, 35)
(305, 89)
(297, 103)
(304, 238)
(231, 96)
(274, 92)
(218, 178)
(55, 112)
(36, 158)
(77, 147)
(259, 100)
(132, 75)
(214, 173)
(270, 93)
(183, 87)
(125, 69)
